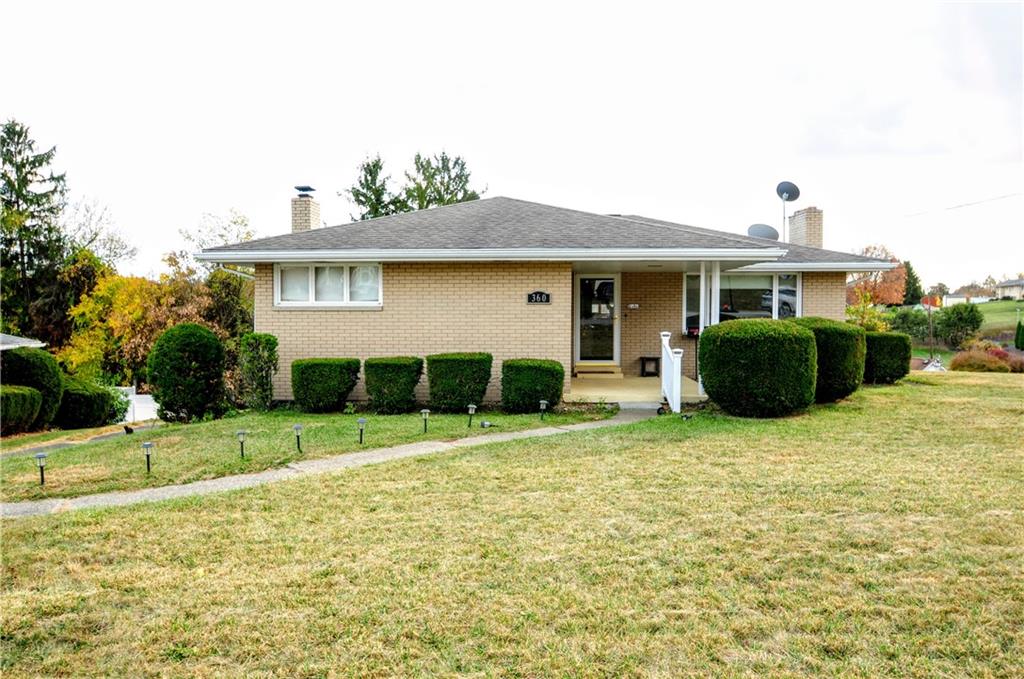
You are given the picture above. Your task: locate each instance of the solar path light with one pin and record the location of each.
(543, 408)
(298, 437)
(241, 443)
(362, 427)
(147, 450)
(41, 463)
(426, 416)
(472, 411)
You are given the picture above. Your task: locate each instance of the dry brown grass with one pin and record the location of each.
(883, 535)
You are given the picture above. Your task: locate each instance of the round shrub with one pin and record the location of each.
(888, 357)
(322, 385)
(758, 367)
(84, 405)
(958, 323)
(19, 407)
(526, 381)
(186, 373)
(841, 350)
(979, 362)
(456, 380)
(391, 382)
(37, 369)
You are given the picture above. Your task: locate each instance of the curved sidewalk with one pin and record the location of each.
(11, 510)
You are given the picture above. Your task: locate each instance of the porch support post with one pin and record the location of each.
(716, 289)
(702, 321)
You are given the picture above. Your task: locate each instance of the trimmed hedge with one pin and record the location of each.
(37, 369)
(186, 373)
(456, 380)
(19, 407)
(322, 385)
(391, 382)
(526, 381)
(84, 405)
(888, 357)
(759, 367)
(841, 351)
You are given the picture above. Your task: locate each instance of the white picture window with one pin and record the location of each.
(365, 283)
(294, 284)
(331, 285)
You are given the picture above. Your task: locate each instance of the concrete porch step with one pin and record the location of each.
(599, 371)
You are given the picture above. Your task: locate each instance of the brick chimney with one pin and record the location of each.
(305, 210)
(805, 227)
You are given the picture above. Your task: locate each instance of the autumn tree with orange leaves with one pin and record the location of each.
(884, 287)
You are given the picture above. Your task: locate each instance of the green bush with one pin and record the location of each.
(19, 407)
(888, 357)
(978, 362)
(841, 348)
(958, 323)
(84, 405)
(526, 381)
(456, 380)
(119, 404)
(391, 382)
(37, 369)
(186, 373)
(322, 385)
(258, 364)
(758, 367)
(1018, 338)
(914, 322)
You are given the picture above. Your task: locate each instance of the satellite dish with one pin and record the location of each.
(787, 191)
(763, 231)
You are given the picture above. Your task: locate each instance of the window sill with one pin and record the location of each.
(328, 307)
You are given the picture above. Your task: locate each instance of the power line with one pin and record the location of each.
(957, 207)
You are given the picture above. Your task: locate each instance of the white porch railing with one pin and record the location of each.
(671, 373)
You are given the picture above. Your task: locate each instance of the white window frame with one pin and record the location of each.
(775, 293)
(311, 303)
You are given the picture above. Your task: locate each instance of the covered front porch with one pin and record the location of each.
(636, 392)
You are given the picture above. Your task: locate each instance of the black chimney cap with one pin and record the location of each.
(305, 190)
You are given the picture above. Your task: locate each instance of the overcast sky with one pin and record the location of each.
(887, 116)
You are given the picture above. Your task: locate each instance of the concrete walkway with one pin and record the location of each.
(10, 510)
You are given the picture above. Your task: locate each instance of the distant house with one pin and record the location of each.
(1012, 288)
(520, 279)
(15, 342)
(950, 300)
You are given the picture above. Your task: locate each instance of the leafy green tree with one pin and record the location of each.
(51, 319)
(434, 180)
(958, 323)
(913, 291)
(438, 180)
(371, 192)
(32, 246)
(939, 290)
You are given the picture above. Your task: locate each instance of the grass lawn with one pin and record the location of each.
(880, 536)
(31, 439)
(190, 452)
(1000, 315)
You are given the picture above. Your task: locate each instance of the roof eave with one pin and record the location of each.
(493, 254)
(852, 267)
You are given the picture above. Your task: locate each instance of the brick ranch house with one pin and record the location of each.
(520, 279)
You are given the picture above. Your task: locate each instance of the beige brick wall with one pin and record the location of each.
(431, 308)
(660, 296)
(824, 294)
(806, 227)
(305, 214)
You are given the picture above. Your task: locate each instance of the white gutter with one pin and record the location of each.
(495, 254)
(777, 267)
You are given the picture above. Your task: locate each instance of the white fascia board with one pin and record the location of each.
(785, 267)
(495, 254)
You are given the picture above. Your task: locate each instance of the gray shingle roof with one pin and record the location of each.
(494, 223)
(508, 223)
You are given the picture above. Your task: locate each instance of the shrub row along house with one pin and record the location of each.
(518, 279)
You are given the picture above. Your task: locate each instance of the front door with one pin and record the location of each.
(597, 319)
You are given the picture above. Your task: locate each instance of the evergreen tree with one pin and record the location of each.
(913, 291)
(32, 246)
(371, 192)
(1018, 339)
